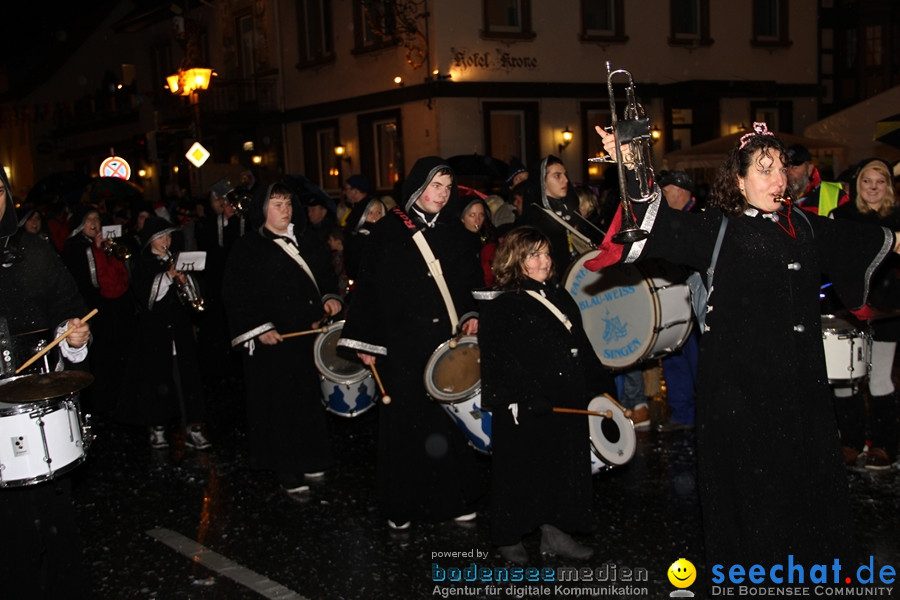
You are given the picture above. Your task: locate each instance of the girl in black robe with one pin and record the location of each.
(532, 361)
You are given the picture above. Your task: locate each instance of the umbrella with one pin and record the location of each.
(112, 188)
(478, 166)
(887, 131)
(66, 186)
(302, 186)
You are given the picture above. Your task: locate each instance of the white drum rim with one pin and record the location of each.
(438, 394)
(628, 439)
(323, 369)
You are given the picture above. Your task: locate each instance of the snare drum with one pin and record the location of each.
(847, 350)
(348, 387)
(453, 378)
(612, 440)
(632, 312)
(39, 439)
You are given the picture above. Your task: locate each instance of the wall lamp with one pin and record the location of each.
(341, 152)
(567, 137)
(655, 134)
(398, 80)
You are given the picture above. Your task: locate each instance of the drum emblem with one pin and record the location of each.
(614, 330)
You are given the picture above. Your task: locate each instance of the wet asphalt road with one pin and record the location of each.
(176, 524)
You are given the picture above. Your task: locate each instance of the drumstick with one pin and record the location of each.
(52, 344)
(299, 333)
(578, 411)
(384, 397)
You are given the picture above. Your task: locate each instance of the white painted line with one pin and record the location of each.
(224, 566)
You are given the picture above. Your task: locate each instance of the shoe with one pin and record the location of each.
(316, 475)
(466, 517)
(398, 526)
(560, 543)
(851, 455)
(515, 553)
(194, 438)
(671, 425)
(158, 437)
(878, 460)
(641, 417)
(299, 493)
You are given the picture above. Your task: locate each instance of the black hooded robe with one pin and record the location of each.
(37, 292)
(771, 476)
(425, 469)
(265, 289)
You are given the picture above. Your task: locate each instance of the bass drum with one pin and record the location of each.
(453, 378)
(348, 388)
(612, 439)
(631, 312)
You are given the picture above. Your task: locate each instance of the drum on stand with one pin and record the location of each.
(631, 312)
(348, 387)
(453, 378)
(41, 430)
(613, 442)
(847, 351)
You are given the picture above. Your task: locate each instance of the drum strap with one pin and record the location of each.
(434, 266)
(552, 308)
(294, 253)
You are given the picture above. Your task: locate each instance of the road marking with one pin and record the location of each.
(224, 566)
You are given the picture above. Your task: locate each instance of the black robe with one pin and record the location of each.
(541, 468)
(266, 289)
(771, 475)
(425, 469)
(158, 388)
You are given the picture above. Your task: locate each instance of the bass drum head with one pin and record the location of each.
(454, 374)
(618, 310)
(333, 366)
(612, 440)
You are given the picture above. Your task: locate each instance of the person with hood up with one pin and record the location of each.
(38, 293)
(162, 384)
(551, 206)
(278, 281)
(398, 317)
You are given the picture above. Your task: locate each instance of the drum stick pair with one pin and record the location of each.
(53, 344)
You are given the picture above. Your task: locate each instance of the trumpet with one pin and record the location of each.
(185, 289)
(633, 131)
(238, 199)
(111, 248)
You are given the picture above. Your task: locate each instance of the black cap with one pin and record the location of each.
(677, 178)
(798, 154)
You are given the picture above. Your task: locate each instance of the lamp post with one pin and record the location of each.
(189, 82)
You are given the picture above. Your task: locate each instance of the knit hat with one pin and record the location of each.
(359, 182)
(798, 154)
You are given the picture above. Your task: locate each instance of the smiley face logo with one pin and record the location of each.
(682, 573)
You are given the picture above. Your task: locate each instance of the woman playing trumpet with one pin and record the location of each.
(771, 476)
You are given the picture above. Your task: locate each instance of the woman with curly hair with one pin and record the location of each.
(535, 356)
(770, 472)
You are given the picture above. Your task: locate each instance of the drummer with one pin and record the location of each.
(279, 281)
(535, 355)
(37, 292)
(398, 317)
(551, 205)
